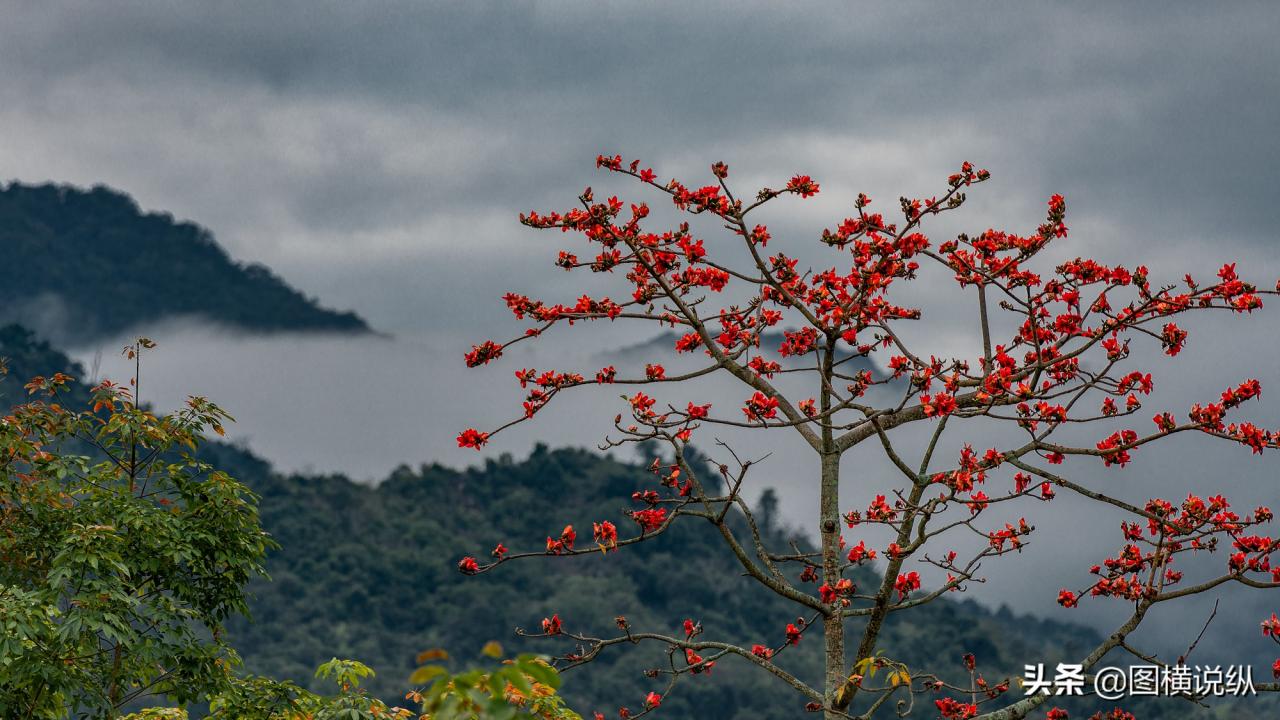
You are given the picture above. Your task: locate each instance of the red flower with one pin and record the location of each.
(765, 653)
(880, 510)
(472, 438)
(697, 412)
(642, 404)
(500, 551)
(652, 700)
(1172, 338)
(651, 519)
(977, 502)
(760, 407)
(938, 405)
(1271, 627)
(859, 552)
(551, 625)
(605, 533)
(564, 544)
(906, 583)
(803, 185)
(468, 566)
(827, 593)
(830, 594)
(483, 353)
(953, 709)
(693, 658)
(688, 342)
(655, 372)
(1067, 599)
(793, 634)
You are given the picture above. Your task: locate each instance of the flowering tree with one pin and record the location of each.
(1069, 367)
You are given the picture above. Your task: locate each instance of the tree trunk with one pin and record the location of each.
(833, 624)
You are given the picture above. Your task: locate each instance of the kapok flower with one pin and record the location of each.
(938, 405)
(803, 185)
(472, 438)
(906, 583)
(760, 407)
(650, 519)
(483, 353)
(605, 533)
(1271, 627)
(859, 553)
(697, 412)
(953, 709)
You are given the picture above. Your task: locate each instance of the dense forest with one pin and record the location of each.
(81, 264)
(368, 572)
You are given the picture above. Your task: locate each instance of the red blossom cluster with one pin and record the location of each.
(906, 584)
(1143, 568)
(953, 709)
(760, 407)
(562, 544)
(606, 535)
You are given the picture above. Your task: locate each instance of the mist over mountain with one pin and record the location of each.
(662, 346)
(86, 264)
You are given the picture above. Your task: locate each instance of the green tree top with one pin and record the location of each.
(120, 556)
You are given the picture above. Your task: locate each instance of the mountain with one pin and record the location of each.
(369, 572)
(81, 264)
(25, 355)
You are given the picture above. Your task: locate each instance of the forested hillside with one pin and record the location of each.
(369, 572)
(80, 264)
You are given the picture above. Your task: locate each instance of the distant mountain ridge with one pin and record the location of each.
(84, 264)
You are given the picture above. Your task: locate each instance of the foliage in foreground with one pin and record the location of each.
(120, 563)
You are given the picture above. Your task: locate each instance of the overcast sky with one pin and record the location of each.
(376, 156)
